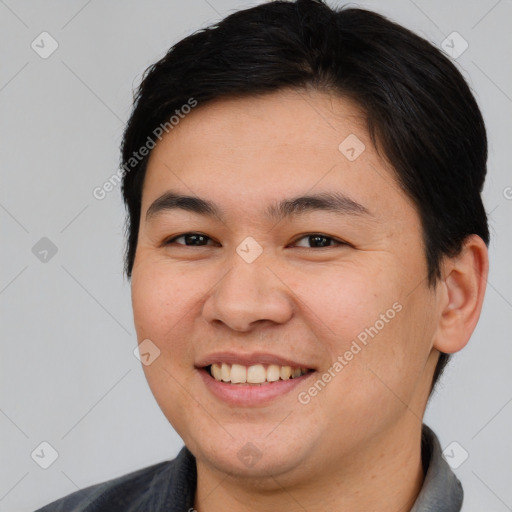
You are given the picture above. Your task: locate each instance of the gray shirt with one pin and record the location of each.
(170, 486)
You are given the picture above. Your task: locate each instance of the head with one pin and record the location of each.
(292, 100)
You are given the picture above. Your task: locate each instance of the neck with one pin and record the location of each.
(385, 475)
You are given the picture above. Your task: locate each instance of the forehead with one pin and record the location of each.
(246, 153)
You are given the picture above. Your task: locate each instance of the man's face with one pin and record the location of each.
(306, 287)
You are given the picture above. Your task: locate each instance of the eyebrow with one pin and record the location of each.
(335, 202)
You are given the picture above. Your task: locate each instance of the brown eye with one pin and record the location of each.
(190, 239)
(318, 240)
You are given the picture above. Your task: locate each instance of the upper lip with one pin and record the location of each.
(249, 359)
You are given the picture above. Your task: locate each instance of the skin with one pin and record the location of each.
(356, 444)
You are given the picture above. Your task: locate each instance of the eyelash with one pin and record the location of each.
(308, 235)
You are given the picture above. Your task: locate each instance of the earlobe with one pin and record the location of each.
(464, 281)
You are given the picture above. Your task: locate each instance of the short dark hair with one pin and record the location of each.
(419, 109)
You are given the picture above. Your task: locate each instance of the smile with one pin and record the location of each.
(254, 374)
(257, 385)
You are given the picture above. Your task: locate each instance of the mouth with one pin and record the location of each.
(254, 375)
(256, 384)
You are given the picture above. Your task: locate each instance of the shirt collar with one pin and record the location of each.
(441, 490)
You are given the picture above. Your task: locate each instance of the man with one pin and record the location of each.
(307, 245)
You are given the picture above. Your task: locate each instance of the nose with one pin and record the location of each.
(249, 294)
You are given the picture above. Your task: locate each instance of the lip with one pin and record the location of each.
(251, 395)
(249, 360)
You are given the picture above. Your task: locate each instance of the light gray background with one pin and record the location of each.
(67, 369)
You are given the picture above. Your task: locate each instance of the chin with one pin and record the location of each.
(247, 456)
(254, 464)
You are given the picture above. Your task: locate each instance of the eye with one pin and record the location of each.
(318, 240)
(191, 239)
(194, 239)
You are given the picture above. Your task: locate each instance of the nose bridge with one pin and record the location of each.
(249, 292)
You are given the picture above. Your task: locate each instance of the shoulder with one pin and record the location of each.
(170, 484)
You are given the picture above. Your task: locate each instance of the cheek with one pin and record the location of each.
(389, 369)
(159, 300)
(372, 321)
(160, 308)
(147, 305)
(342, 302)
(166, 302)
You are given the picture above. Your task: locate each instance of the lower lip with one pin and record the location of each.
(251, 394)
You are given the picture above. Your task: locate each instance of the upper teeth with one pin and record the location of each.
(255, 374)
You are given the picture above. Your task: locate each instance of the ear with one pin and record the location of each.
(461, 295)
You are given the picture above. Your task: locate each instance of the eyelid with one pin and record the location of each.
(338, 241)
(167, 241)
